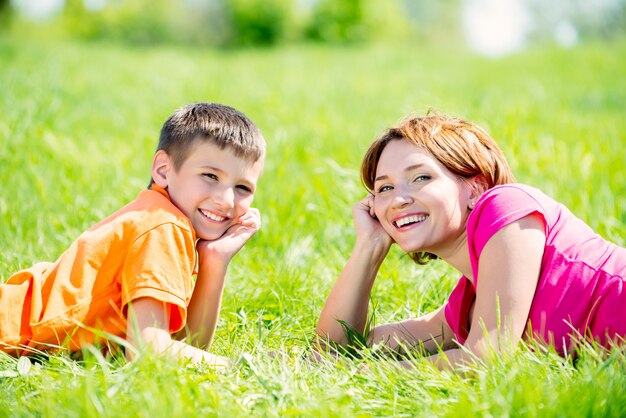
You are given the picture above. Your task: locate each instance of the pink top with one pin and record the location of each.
(582, 283)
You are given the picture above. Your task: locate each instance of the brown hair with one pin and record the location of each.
(222, 125)
(464, 148)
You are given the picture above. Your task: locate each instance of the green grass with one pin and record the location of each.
(78, 129)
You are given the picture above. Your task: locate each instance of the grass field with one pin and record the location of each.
(78, 129)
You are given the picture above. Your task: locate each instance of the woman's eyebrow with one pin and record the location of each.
(409, 168)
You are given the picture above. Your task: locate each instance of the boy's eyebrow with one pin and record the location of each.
(409, 168)
(210, 167)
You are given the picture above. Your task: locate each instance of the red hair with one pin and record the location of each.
(464, 148)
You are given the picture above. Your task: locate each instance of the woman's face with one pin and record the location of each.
(419, 202)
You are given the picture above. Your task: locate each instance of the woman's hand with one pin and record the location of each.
(368, 229)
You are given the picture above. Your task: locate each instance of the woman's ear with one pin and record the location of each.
(478, 185)
(161, 166)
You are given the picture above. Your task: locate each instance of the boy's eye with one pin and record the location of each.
(244, 188)
(210, 176)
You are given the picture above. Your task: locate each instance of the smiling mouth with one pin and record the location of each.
(409, 220)
(212, 216)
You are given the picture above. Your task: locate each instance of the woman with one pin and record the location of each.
(440, 187)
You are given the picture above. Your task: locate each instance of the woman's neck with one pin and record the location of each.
(458, 257)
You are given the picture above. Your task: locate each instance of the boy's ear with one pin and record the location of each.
(162, 164)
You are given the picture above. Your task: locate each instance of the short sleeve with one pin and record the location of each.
(497, 208)
(160, 265)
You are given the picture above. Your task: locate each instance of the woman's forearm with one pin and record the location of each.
(349, 298)
(447, 360)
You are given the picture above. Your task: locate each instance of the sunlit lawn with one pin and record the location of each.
(80, 123)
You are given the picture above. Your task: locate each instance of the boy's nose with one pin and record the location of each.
(225, 199)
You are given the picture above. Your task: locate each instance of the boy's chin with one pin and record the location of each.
(210, 236)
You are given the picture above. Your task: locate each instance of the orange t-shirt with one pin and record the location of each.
(145, 249)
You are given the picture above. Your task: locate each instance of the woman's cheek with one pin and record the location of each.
(379, 212)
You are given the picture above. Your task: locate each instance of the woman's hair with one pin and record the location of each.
(464, 148)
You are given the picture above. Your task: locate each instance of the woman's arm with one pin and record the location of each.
(348, 300)
(508, 272)
(148, 325)
(429, 332)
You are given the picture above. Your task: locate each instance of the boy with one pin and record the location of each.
(130, 275)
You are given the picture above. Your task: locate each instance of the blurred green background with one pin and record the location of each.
(237, 23)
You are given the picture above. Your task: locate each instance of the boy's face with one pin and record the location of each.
(212, 187)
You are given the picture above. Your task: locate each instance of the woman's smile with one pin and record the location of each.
(407, 221)
(420, 203)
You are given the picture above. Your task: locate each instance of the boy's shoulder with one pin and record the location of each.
(151, 209)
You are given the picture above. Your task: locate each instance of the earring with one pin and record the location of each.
(471, 204)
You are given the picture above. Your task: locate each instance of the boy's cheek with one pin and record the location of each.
(245, 204)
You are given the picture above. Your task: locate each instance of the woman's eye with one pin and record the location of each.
(210, 176)
(384, 188)
(422, 177)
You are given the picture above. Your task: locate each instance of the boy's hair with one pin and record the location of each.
(463, 147)
(221, 125)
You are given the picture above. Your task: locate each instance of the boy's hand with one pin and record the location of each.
(226, 246)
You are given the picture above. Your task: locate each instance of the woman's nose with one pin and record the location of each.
(401, 197)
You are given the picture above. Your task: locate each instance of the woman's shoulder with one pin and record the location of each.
(513, 200)
(503, 205)
(516, 199)
(517, 191)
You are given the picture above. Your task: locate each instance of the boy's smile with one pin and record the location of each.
(212, 187)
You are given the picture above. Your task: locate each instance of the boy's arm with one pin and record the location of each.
(148, 325)
(214, 257)
(206, 300)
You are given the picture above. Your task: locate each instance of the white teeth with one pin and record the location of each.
(212, 216)
(410, 219)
